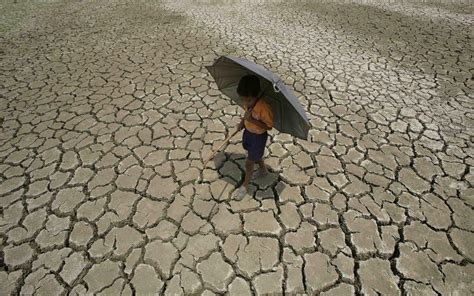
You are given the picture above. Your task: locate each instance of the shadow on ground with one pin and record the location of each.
(231, 168)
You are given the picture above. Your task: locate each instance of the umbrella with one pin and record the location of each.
(288, 115)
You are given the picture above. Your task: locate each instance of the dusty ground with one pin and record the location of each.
(106, 113)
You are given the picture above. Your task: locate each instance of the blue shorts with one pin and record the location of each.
(254, 144)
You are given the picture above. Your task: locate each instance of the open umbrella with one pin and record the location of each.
(288, 114)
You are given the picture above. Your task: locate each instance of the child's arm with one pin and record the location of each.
(257, 122)
(241, 123)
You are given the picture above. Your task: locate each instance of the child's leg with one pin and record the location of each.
(262, 166)
(248, 172)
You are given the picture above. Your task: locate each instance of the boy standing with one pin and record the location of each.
(257, 120)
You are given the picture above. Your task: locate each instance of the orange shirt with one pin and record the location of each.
(261, 111)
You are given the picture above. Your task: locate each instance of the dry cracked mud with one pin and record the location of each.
(107, 112)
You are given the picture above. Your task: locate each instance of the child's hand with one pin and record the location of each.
(240, 126)
(247, 115)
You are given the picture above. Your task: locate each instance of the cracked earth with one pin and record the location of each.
(107, 112)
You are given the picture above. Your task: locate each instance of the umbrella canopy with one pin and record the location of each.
(288, 114)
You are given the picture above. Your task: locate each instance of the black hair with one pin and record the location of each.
(249, 86)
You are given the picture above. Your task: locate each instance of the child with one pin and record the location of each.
(257, 120)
